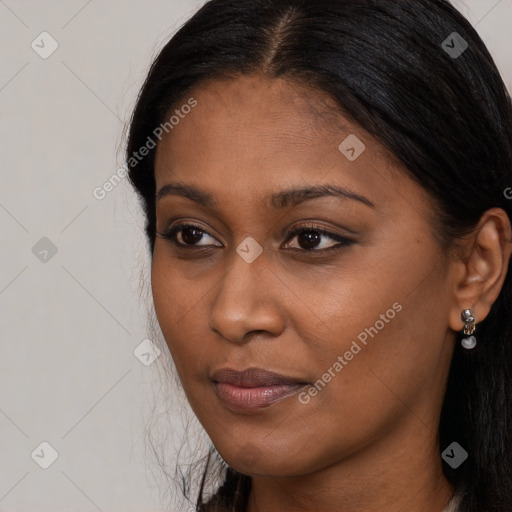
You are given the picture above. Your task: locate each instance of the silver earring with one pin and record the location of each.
(469, 328)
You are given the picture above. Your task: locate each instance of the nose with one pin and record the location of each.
(247, 301)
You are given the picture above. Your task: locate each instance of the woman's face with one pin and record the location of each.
(354, 321)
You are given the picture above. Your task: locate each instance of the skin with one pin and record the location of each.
(367, 440)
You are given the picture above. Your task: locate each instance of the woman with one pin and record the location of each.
(327, 189)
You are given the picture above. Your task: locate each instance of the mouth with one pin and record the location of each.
(253, 388)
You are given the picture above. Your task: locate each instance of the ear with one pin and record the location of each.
(481, 266)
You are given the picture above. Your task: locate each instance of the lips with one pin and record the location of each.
(252, 378)
(253, 388)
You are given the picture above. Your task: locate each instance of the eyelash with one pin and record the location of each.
(343, 240)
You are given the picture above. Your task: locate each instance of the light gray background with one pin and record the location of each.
(69, 325)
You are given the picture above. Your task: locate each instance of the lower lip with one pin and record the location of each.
(247, 399)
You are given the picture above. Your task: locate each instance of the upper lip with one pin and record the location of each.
(253, 377)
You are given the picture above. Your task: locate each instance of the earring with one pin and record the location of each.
(469, 328)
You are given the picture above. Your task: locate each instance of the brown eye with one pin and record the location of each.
(309, 238)
(188, 235)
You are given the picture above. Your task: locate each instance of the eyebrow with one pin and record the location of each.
(283, 199)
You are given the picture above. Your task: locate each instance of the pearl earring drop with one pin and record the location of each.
(469, 328)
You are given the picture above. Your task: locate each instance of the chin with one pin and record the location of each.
(254, 460)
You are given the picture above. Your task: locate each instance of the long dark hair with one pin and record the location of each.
(446, 116)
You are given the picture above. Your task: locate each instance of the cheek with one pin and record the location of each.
(377, 347)
(164, 293)
(179, 303)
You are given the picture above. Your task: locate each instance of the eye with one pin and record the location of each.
(188, 235)
(309, 238)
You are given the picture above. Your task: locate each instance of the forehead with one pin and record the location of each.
(252, 135)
